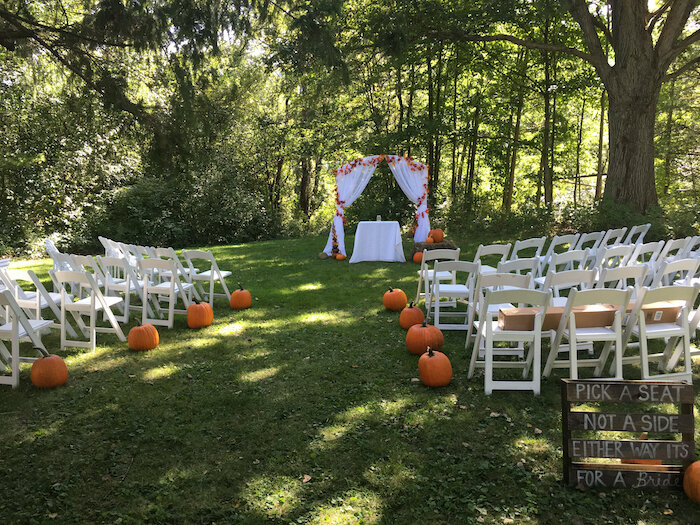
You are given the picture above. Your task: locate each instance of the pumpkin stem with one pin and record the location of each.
(425, 323)
(240, 286)
(430, 352)
(411, 304)
(391, 289)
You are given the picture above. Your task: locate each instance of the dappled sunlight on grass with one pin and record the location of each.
(273, 497)
(309, 287)
(355, 506)
(160, 372)
(332, 317)
(231, 329)
(259, 375)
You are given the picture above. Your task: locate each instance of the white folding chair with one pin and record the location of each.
(212, 275)
(556, 282)
(560, 262)
(167, 283)
(18, 328)
(90, 305)
(589, 240)
(454, 291)
(33, 301)
(426, 274)
(611, 334)
(692, 251)
(676, 331)
(491, 333)
(646, 254)
(636, 234)
(680, 271)
(613, 256)
(610, 238)
(623, 277)
(182, 271)
(519, 266)
(111, 248)
(557, 246)
(494, 282)
(533, 246)
(491, 250)
(673, 250)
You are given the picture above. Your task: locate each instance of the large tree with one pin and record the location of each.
(644, 45)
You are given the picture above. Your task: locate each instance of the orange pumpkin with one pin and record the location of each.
(143, 337)
(421, 336)
(340, 257)
(48, 372)
(642, 461)
(434, 369)
(418, 257)
(411, 315)
(437, 234)
(394, 299)
(691, 482)
(199, 315)
(241, 298)
(430, 240)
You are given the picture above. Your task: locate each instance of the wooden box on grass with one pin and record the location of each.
(586, 316)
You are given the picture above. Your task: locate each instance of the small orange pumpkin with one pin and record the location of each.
(241, 298)
(430, 240)
(340, 257)
(691, 482)
(411, 315)
(434, 369)
(143, 337)
(421, 336)
(199, 315)
(437, 234)
(48, 372)
(394, 299)
(418, 257)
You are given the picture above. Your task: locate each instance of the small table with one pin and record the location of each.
(378, 241)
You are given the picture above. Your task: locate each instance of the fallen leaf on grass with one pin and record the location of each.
(483, 512)
(537, 431)
(508, 520)
(415, 380)
(389, 320)
(306, 479)
(256, 462)
(480, 519)
(463, 407)
(53, 515)
(132, 375)
(668, 512)
(355, 366)
(189, 376)
(494, 414)
(466, 445)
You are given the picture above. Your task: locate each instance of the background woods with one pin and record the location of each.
(210, 122)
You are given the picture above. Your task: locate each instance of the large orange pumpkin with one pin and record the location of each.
(143, 337)
(199, 315)
(437, 234)
(421, 336)
(241, 298)
(642, 461)
(418, 257)
(340, 257)
(48, 372)
(394, 299)
(434, 368)
(691, 482)
(411, 315)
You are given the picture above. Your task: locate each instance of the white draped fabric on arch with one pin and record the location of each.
(351, 180)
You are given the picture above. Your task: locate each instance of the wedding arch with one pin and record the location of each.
(351, 180)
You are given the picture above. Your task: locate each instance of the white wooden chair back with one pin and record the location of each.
(670, 271)
(673, 249)
(589, 240)
(535, 243)
(154, 270)
(426, 272)
(571, 260)
(520, 266)
(484, 250)
(613, 256)
(613, 237)
(556, 246)
(692, 251)
(623, 277)
(636, 234)
(556, 282)
(646, 253)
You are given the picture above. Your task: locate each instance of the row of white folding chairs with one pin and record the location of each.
(615, 336)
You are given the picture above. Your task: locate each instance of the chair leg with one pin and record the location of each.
(573, 353)
(420, 282)
(537, 364)
(475, 352)
(488, 363)
(93, 331)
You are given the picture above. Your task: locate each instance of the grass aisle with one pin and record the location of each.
(302, 409)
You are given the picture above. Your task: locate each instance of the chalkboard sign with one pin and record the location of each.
(641, 465)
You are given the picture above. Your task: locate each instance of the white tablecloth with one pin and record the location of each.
(378, 241)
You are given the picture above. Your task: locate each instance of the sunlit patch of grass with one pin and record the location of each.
(307, 287)
(356, 506)
(231, 329)
(160, 372)
(274, 497)
(259, 375)
(334, 317)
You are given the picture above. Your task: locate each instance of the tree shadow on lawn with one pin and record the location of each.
(224, 423)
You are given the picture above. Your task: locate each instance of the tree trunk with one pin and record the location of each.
(409, 109)
(304, 196)
(577, 179)
(508, 189)
(471, 169)
(545, 166)
(453, 185)
(631, 127)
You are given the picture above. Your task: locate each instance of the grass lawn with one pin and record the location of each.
(302, 409)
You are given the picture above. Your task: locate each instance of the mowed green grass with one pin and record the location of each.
(304, 408)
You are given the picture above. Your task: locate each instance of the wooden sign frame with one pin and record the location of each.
(625, 475)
